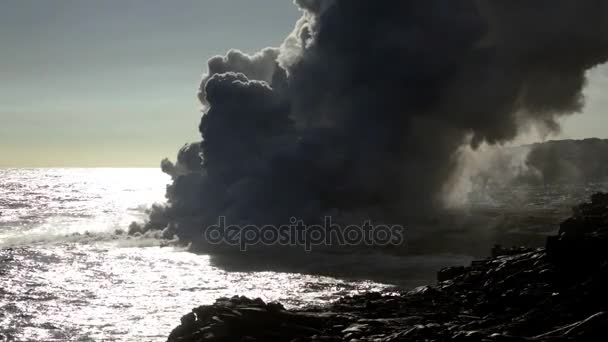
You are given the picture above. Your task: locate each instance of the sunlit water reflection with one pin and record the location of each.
(103, 291)
(65, 275)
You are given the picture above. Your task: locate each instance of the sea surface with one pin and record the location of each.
(68, 273)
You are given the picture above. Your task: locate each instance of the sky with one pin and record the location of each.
(113, 82)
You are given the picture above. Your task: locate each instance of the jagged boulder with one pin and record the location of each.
(583, 238)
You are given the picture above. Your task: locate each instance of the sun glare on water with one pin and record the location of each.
(43, 205)
(67, 276)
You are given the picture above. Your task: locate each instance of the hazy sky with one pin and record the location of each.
(113, 82)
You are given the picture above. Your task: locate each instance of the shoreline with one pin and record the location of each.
(555, 293)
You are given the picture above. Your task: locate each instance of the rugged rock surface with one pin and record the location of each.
(557, 293)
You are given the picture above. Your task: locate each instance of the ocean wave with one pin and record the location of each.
(117, 238)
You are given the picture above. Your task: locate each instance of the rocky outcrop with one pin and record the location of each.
(570, 161)
(557, 293)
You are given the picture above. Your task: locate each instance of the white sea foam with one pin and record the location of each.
(119, 239)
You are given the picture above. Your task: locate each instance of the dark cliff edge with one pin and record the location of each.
(569, 161)
(556, 293)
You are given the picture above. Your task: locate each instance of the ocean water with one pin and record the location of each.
(67, 275)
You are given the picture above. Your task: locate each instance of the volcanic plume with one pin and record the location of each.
(363, 108)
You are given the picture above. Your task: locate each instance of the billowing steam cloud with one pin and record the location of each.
(365, 106)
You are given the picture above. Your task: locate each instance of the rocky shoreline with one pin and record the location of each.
(556, 293)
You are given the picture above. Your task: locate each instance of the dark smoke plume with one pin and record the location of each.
(362, 110)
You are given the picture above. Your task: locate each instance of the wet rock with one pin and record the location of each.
(356, 329)
(449, 273)
(499, 250)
